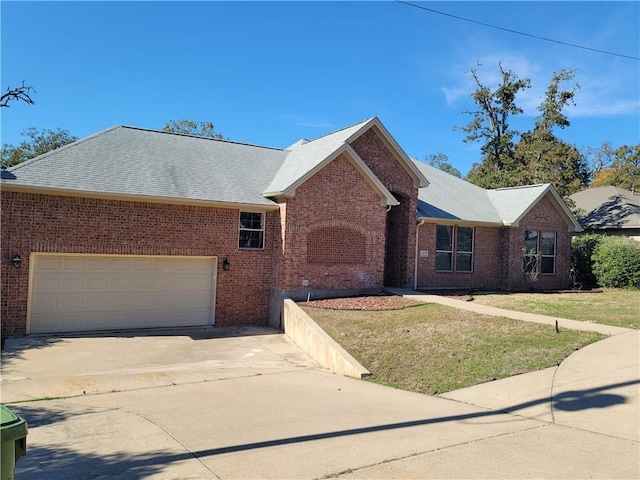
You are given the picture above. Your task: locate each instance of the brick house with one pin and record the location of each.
(132, 228)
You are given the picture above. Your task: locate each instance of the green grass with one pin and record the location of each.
(434, 349)
(617, 307)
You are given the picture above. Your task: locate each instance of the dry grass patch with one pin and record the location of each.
(434, 349)
(616, 307)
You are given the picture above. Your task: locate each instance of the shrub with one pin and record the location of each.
(616, 262)
(582, 249)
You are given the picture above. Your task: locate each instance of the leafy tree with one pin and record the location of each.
(21, 93)
(539, 156)
(190, 127)
(546, 158)
(600, 160)
(441, 162)
(623, 171)
(543, 156)
(490, 124)
(39, 141)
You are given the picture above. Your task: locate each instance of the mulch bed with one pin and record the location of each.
(375, 302)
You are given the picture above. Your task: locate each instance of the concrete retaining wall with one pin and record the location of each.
(308, 335)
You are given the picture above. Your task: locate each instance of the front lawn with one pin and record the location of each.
(611, 306)
(434, 349)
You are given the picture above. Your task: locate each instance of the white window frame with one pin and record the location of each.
(454, 249)
(450, 251)
(470, 253)
(251, 229)
(542, 254)
(539, 253)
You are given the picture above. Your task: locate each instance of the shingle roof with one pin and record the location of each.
(132, 161)
(149, 164)
(513, 203)
(306, 157)
(608, 207)
(450, 198)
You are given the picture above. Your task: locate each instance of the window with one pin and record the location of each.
(548, 253)
(444, 248)
(464, 249)
(530, 264)
(251, 230)
(445, 236)
(543, 246)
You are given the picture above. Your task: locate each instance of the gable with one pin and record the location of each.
(346, 179)
(450, 200)
(305, 158)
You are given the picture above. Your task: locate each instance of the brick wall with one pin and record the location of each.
(543, 217)
(334, 232)
(400, 253)
(60, 224)
(486, 261)
(498, 255)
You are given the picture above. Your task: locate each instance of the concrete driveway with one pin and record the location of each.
(247, 403)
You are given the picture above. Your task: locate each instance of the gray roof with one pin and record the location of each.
(147, 164)
(453, 200)
(305, 156)
(608, 207)
(133, 161)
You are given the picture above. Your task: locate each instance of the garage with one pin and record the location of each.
(72, 293)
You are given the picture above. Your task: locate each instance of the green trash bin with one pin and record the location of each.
(13, 432)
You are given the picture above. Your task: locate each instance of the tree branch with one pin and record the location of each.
(16, 94)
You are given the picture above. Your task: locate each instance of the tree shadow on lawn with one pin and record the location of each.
(62, 462)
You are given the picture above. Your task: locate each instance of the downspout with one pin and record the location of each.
(415, 268)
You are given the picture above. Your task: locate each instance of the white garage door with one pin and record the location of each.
(79, 293)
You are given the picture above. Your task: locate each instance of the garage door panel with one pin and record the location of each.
(73, 264)
(139, 264)
(84, 293)
(97, 283)
(73, 283)
(97, 264)
(45, 302)
(47, 263)
(45, 283)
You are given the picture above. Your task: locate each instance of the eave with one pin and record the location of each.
(136, 198)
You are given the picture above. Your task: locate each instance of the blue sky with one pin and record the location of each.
(270, 73)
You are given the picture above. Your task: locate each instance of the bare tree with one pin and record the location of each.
(23, 92)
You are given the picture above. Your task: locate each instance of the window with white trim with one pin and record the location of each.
(444, 248)
(251, 230)
(539, 252)
(449, 258)
(548, 253)
(464, 249)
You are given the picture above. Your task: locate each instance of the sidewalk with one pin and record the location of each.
(575, 389)
(500, 312)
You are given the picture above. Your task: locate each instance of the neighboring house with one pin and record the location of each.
(132, 228)
(609, 210)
